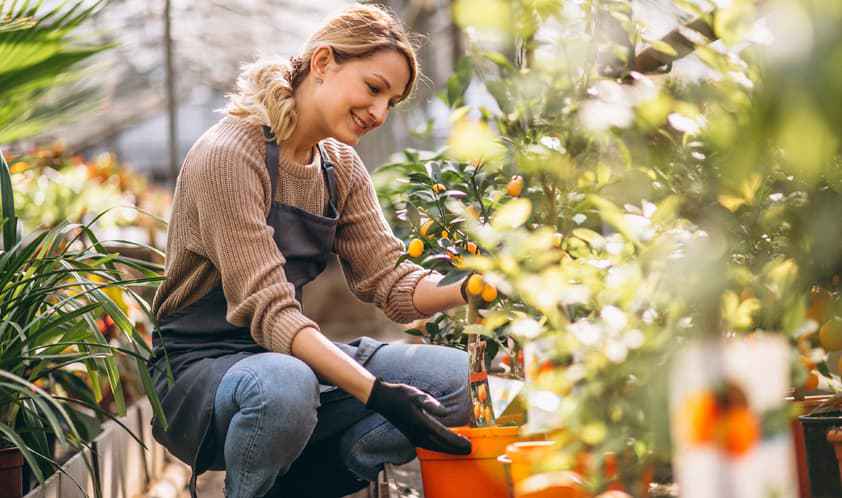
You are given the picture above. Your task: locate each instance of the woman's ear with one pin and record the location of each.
(321, 62)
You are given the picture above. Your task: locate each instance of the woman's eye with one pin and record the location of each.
(373, 89)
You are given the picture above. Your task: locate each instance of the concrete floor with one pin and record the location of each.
(212, 485)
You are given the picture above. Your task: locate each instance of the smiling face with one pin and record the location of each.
(357, 95)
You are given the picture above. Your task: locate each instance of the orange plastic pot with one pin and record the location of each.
(525, 455)
(477, 474)
(562, 484)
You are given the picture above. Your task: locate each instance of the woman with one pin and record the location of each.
(263, 198)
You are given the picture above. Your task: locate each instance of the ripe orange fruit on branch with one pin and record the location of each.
(475, 285)
(515, 186)
(819, 300)
(471, 248)
(830, 335)
(425, 228)
(416, 248)
(489, 293)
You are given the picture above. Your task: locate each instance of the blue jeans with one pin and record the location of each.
(265, 411)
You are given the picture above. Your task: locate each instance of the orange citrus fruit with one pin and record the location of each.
(475, 285)
(819, 299)
(700, 414)
(515, 186)
(416, 248)
(471, 248)
(739, 431)
(425, 228)
(472, 212)
(830, 335)
(489, 293)
(811, 383)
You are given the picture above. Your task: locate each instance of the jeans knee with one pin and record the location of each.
(284, 389)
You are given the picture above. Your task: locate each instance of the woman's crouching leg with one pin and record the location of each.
(265, 411)
(439, 371)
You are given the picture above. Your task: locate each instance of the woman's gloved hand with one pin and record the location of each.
(411, 410)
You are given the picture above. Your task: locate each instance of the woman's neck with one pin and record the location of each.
(300, 145)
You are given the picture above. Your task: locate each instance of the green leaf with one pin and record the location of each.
(663, 47)
(512, 215)
(7, 195)
(453, 277)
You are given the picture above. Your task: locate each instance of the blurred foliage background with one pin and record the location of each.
(628, 194)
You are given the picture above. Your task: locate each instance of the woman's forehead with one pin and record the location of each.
(389, 67)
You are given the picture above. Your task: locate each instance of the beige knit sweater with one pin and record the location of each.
(218, 234)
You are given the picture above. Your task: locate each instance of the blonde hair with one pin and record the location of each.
(265, 87)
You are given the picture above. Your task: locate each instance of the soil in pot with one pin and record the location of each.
(11, 473)
(822, 465)
(477, 474)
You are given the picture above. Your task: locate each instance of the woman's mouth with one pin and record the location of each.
(359, 124)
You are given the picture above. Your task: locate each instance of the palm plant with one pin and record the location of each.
(37, 55)
(54, 360)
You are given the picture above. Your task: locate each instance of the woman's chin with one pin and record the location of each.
(347, 137)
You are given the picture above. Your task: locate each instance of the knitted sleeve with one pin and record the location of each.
(230, 187)
(368, 251)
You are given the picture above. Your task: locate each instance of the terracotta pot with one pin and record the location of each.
(478, 474)
(11, 473)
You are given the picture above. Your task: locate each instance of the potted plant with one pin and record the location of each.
(54, 360)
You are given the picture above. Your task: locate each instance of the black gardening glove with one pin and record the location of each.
(411, 410)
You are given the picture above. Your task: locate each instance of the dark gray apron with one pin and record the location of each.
(200, 345)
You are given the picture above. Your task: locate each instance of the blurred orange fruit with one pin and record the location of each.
(739, 431)
(471, 248)
(819, 300)
(489, 293)
(515, 186)
(425, 228)
(700, 415)
(439, 188)
(475, 285)
(482, 393)
(811, 383)
(416, 248)
(830, 335)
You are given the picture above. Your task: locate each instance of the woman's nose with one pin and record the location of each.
(377, 113)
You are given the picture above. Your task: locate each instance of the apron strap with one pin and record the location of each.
(329, 174)
(271, 159)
